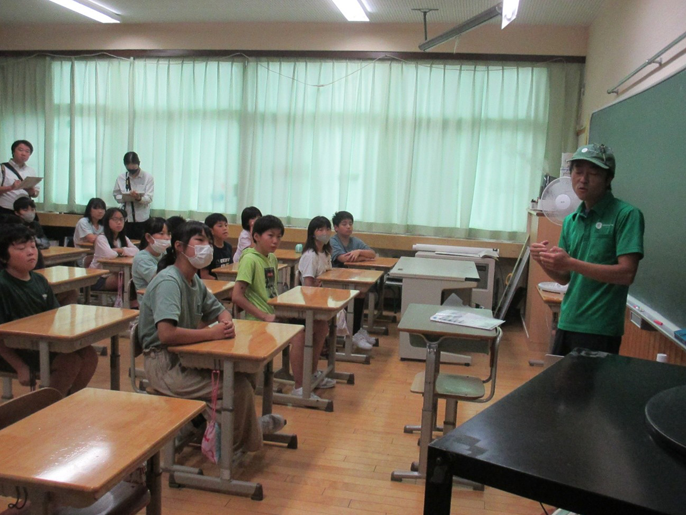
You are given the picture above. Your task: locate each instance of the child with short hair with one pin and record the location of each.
(248, 218)
(156, 240)
(25, 208)
(222, 253)
(90, 226)
(346, 248)
(256, 284)
(111, 244)
(24, 293)
(177, 309)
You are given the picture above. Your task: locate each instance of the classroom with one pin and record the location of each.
(216, 106)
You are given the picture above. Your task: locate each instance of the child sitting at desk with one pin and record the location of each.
(176, 310)
(222, 253)
(345, 248)
(24, 293)
(315, 260)
(25, 208)
(248, 218)
(90, 227)
(154, 243)
(111, 244)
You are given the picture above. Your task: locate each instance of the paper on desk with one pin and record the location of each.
(450, 316)
(29, 182)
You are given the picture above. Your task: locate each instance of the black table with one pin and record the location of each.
(575, 437)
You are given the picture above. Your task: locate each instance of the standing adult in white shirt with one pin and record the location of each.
(139, 188)
(13, 173)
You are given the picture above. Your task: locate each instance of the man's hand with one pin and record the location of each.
(556, 259)
(537, 249)
(137, 196)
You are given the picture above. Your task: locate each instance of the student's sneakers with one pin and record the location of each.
(272, 423)
(327, 382)
(360, 342)
(365, 335)
(298, 392)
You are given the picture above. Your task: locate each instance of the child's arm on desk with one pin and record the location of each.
(170, 334)
(239, 299)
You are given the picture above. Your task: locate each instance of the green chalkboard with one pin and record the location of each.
(648, 135)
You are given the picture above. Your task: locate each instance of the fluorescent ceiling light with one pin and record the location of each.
(460, 29)
(90, 12)
(510, 8)
(351, 9)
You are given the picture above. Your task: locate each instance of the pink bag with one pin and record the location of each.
(211, 440)
(119, 302)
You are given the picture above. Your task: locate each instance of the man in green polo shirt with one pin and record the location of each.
(598, 254)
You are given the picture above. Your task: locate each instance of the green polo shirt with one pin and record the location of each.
(610, 229)
(260, 273)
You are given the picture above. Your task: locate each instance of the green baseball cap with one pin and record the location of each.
(599, 155)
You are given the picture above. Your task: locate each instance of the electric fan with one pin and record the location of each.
(558, 200)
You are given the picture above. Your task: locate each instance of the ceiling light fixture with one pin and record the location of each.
(351, 9)
(94, 13)
(472, 23)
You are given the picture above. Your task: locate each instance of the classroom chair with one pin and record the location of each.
(455, 387)
(7, 383)
(136, 374)
(126, 498)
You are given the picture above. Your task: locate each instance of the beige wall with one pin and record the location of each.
(624, 35)
(516, 39)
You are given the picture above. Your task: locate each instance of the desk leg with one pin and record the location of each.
(331, 369)
(433, 357)
(44, 357)
(153, 478)
(224, 483)
(127, 281)
(114, 363)
(87, 295)
(290, 440)
(439, 485)
(371, 316)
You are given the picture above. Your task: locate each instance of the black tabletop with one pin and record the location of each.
(576, 437)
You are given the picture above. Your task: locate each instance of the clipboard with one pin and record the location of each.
(127, 197)
(29, 182)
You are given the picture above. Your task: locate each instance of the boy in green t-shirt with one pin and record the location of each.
(256, 284)
(24, 293)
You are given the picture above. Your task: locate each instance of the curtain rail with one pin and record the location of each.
(653, 60)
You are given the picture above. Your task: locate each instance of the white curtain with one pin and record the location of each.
(436, 148)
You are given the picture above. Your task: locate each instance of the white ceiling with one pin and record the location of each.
(531, 12)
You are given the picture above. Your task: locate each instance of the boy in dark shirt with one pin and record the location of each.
(24, 293)
(223, 253)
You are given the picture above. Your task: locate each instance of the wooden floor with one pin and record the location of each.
(344, 459)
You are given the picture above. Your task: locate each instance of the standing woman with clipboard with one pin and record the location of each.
(13, 174)
(134, 190)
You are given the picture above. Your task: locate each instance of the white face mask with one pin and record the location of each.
(203, 256)
(160, 246)
(323, 238)
(28, 216)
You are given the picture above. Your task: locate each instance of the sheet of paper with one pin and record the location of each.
(30, 182)
(449, 316)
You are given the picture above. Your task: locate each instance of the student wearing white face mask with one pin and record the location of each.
(177, 309)
(25, 208)
(156, 240)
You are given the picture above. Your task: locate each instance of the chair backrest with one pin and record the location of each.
(21, 407)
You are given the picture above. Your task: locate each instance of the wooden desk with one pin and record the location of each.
(312, 304)
(220, 289)
(121, 264)
(76, 450)
(66, 278)
(67, 329)
(424, 280)
(290, 258)
(255, 345)
(229, 272)
(59, 255)
(380, 263)
(353, 279)
(385, 264)
(417, 320)
(575, 436)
